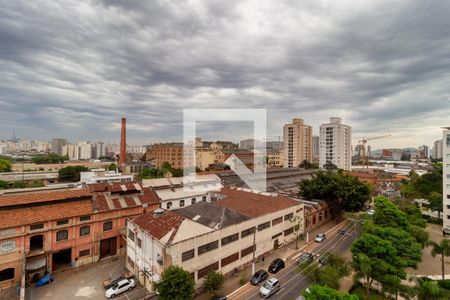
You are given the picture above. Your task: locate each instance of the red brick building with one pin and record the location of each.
(46, 231)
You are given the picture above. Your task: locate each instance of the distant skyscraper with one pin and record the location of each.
(315, 148)
(297, 143)
(99, 150)
(86, 150)
(57, 144)
(123, 144)
(437, 149)
(72, 151)
(445, 148)
(335, 144)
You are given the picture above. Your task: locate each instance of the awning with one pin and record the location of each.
(36, 263)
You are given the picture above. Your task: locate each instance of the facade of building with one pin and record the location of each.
(72, 151)
(220, 236)
(174, 193)
(297, 143)
(274, 158)
(315, 148)
(46, 231)
(86, 150)
(446, 179)
(438, 149)
(166, 152)
(335, 144)
(57, 144)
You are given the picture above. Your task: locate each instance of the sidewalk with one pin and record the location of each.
(287, 252)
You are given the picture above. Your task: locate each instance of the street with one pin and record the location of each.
(293, 282)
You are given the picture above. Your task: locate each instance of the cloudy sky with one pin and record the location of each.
(73, 68)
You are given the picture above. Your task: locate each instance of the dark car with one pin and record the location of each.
(344, 232)
(276, 265)
(324, 258)
(219, 298)
(305, 257)
(259, 277)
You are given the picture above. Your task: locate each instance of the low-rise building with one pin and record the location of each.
(275, 158)
(227, 234)
(46, 231)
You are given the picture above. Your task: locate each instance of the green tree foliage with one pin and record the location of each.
(175, 283)
(443, 249)
(330, 274)
(213, 282)
(308, 165)
(340, 190)
(387, 214)
(435, 200)
(112, 167)
(429, 290)
(5, 164)
(318, 292)
(51, 158)
(71, 173)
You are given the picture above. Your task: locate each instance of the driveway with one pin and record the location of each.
(85, 283)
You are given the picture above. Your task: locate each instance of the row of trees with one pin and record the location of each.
(150, 173)
(5, 164)
(51, 158)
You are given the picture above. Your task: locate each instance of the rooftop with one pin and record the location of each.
(161, 225)
(33, 198)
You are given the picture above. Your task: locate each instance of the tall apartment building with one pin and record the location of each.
(437, 149)
(446, 180)
(57, 144)
(315, 148)
(297, 143)
(72, 151)
(85, 150)
(335, 144)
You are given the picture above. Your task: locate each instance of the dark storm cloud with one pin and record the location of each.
(72, 68)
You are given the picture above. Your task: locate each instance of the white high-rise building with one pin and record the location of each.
(85, 150)
(446, 180)
(99, 150)
(437, 149)
(297, 143)
(335, 144)
(72, 151)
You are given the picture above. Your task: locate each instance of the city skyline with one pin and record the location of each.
(382, 67)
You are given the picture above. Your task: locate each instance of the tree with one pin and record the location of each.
(71, 173)
(329, 167)
(341, 191)
(318, 292)
(5, 164)
(429, 290)
(443, 248)
(388, 214)
(51, 158)
(330, 274)
(435, 200)
(112, 167)
(213, 282)
(175, 283)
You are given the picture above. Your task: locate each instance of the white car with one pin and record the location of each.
(370, 212)
(269, 287)
(320, 237)
(120, 287)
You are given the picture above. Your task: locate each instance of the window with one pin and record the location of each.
(168, 205)
(208, 247)
(277, 235)
(131, 235)
(247, 251)
(84, 253)
(85, 218)
(85, 230)
(62, 235)
(8, 231)
(289, 231)
(288, 216)
(187, 255)
(204, 198)
(62, 222)
(37, 226)
(130, 261)
(193, 201)
(181, 203)
(263, 226)
(107, 226)
(203, 272)
(247, 232)
(229, 259)
(139, 242)
(7, 246)
(229, 239)
(6, 274)
(277, 221)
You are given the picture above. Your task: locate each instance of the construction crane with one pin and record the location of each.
(362, 148)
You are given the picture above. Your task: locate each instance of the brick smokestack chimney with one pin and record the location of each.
(123, 143)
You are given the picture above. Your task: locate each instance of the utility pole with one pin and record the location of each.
(254, 249)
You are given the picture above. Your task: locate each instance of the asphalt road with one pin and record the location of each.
(293, 282)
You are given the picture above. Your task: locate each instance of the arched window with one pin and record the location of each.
(107, 226)
(6, 274)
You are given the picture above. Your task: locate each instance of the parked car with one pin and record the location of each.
(276, 265)
(305, 257)
(110, 282)
(120, 287)
(259, 277)
(269, 287)
(219, 298)
(46, 279)
(320, 237)
(370, 212)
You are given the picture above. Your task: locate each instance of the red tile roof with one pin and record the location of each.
(159, 226)
(115, 187)
(13, 217)
(146, 196)
(30, 198)
(253, 204)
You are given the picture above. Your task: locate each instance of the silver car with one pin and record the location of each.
(269, 287)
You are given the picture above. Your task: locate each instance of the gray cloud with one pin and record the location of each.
(73, 68)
